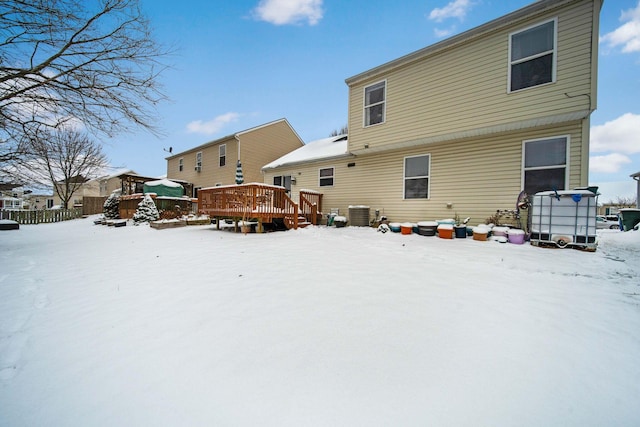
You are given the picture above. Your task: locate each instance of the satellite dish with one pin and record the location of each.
(170, 150)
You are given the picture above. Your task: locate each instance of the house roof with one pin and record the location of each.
(491, 26)
(118, 173)
(233, 135)
(321, 149)
(76, 179)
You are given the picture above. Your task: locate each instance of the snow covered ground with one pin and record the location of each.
(131, 326)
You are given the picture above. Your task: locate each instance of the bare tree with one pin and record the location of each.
(343, 131)
(621, 202)
(62, 62)
(65, 159)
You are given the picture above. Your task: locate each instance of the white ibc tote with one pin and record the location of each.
(564, 218)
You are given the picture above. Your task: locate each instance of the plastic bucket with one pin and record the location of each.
(406, 228)
(480, 233)
(427, 228)
(500, 231)
(445, 231)
(460, 231)
(516, 236)
(395, 227)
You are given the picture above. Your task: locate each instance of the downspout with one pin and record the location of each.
(237, 139)
(636, 178)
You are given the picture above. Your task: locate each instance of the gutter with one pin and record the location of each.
(308, 161)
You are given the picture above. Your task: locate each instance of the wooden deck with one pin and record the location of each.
(260, 202)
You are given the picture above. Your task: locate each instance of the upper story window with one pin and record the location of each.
(416, 176)
(545, 164)
(326, 177)
(181, 164)
(199, 161)
(222, 152)
(532, 56)
(374, 103)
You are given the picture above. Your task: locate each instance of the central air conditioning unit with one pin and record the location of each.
(198, 168)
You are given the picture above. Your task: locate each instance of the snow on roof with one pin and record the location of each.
(164, 182)
(320, 149)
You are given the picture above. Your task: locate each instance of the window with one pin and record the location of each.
(416, 177)
(222, 150)
(545, 164)
(199, 161)
(181, 164)
(532, 56)
(374, 103)
(326, 177)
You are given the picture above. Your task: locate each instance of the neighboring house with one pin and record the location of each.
(11, 196)
(463, 126)
(214, 163)
(91, 188)
(109, 183)
(38, 201)
(83, 187)
(10, 203)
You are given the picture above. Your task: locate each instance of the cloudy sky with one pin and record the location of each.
(239, 64)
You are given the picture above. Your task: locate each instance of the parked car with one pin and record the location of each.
(609, 221)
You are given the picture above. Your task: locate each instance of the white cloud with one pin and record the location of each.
(614, 190)
(610, 163)
(618, 135)
(628, 34)
(440, 33)
(455, 9)
(212, 126)
(282, 12)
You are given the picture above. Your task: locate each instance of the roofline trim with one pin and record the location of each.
(535, 8)
(233, 135)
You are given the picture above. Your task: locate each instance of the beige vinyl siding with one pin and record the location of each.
(258, 147)
(264, 145)
(465, 88)
(211, 172)
(477, 176)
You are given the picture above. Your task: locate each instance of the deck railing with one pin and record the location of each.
(311, 206)
(253, 201)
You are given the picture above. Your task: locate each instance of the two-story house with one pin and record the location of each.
(214, 163)
(464, 125)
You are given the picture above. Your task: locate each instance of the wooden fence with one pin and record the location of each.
(42, 216)
(93, 205)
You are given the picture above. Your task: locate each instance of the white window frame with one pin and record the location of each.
(405, 178)
(199, 160)
(367, 106)
(566, 165)
(332, 177)
(181, 164)
(222, 155)
(554, 51)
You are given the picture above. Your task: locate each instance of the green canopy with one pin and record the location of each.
(164, 188)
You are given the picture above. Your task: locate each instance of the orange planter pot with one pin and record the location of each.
(406, 228)
(445, 231)
(480, 233)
